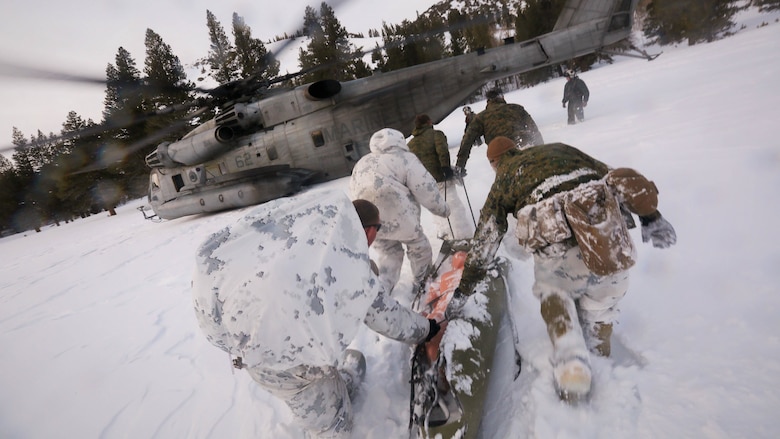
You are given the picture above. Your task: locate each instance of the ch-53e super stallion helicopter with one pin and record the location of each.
(261, 150)
(279, 139)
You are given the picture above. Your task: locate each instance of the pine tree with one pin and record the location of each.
(69, 187)
(45, 149)
(125, 114)
(124, 101)
(167, 88)
(311, 22)
(21, 155)
(536, 18)
(76, 189)
(73, 125)
(458, 44)
(8, 191)
(26, 215)
(5, 164)
(411, 43)
(251, 54)
(329, 54)
(694, 21)
(221, 57)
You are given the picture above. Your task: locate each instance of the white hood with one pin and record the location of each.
(386, 140)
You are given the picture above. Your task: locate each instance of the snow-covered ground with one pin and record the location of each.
(98, 337)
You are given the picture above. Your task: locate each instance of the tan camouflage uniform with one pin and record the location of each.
(500, 119)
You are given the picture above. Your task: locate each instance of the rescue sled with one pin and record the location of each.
(451, 378)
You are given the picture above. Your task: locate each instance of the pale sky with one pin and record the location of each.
(82, 37)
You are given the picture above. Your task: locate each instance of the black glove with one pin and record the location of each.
(447, 171)
(564, 104)
(434, 329)
(655, 228)
(459, 172)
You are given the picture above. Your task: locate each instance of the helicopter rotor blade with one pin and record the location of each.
(114, 124)
(20, 71)
(113, 156)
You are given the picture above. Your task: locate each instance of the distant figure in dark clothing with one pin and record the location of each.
(576, 93)
(469, 113)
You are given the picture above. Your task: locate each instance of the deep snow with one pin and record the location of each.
(99, 337)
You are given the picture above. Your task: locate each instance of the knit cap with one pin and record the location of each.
(498, 146)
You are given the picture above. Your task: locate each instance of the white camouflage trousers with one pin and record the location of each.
(460, 220)
(317, 396)
(390, 258)
(586, 299)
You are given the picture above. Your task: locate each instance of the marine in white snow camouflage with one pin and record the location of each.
(395, 180)
(286, 288)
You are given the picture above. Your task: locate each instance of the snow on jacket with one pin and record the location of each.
(394, 179)
(290, 284)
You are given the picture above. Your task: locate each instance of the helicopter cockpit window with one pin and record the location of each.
(318, 138)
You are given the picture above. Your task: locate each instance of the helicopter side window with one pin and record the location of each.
(318, 138)
(178, 182)
(272, 154)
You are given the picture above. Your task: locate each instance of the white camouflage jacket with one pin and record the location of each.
(394, 179)
(290, 284)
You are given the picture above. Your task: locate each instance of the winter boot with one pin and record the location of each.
(572, 379)
(571, 366)
(353, 370)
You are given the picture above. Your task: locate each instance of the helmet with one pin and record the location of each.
(494, 94)
(466, 110)
(569, 73)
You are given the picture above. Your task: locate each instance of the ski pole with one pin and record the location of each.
(449, 223)
(463, 183)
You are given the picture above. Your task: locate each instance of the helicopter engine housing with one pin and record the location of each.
(192, 150)
(244, 117)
